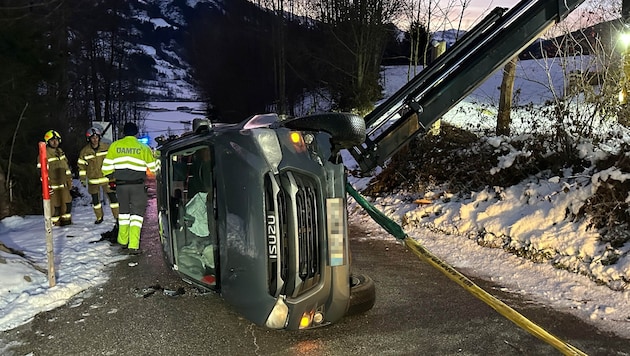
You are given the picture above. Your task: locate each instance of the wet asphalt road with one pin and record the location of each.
(418, 311)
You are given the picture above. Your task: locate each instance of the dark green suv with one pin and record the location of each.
(256, 211)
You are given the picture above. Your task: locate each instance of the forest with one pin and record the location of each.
(69, 63)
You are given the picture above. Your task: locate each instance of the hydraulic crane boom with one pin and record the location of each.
(454, 75)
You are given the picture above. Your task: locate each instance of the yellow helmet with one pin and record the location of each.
(52, 134)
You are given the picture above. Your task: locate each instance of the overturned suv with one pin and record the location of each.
(256, 211)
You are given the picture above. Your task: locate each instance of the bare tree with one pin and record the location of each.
(419, 16)
(278, 44)
(34, 70)
(5, 207)
(358, 31)
(423, 18)
(60, 55)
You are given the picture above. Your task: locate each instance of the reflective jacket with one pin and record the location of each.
(90, 162)
(59, 174)
(128, 160)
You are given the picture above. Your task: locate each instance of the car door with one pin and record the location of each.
(192, 244)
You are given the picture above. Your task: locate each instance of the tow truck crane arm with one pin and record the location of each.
(454, 75)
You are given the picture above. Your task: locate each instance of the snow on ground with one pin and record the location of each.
(79, 262)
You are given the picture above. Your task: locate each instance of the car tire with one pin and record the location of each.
(346, 129)
(362, 294)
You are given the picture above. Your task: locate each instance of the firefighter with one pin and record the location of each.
(126, 165)
(59, 179)
(90, 163)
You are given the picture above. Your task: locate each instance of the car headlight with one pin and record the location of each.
(268, 142)
(279, 315)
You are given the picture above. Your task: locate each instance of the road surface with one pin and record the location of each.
(418, 311)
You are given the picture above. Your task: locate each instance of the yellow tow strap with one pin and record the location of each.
(503, 309)
(493, 302)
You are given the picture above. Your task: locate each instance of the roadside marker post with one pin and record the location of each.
(43, 161)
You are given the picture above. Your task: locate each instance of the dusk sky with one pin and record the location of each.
(479, 8)
(475, 10)
(481, 5)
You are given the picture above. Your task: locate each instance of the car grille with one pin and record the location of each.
(292, 199)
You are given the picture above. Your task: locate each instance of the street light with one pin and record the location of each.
(624, 39)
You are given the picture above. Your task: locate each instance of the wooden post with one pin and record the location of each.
(505, 98)
(43, 161)
(439, 48)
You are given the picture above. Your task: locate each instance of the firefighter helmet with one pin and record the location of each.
(94, 130)
(50, 134)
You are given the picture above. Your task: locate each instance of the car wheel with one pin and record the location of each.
(346, 129)
(362, 294)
